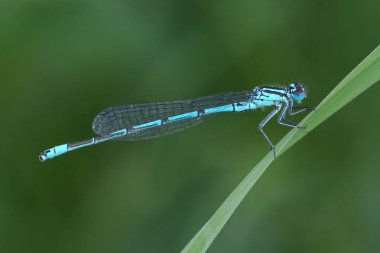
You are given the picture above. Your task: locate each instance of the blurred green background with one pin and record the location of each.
(62, 62)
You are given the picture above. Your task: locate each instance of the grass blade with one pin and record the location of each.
(358, 80)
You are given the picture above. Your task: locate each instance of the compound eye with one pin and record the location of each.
(297, 90)
(298, 96)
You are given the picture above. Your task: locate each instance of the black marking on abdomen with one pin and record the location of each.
(80, 143)
(201, 112)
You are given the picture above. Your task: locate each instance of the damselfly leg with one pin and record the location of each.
(265, 120)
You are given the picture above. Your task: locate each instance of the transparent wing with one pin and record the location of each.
(126, 116)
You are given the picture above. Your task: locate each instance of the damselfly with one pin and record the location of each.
(150, 120)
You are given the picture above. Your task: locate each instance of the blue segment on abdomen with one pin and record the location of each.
(183, 116)
(223, 108)
(149, 124)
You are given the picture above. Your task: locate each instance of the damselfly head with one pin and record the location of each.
(297, 91)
